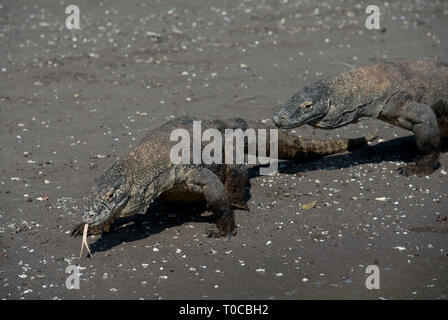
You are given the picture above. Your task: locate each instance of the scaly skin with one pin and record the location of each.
(411, 94)
(147, 172)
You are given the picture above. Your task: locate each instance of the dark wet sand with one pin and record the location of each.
(71, 102)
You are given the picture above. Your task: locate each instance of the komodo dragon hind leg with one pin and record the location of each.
(421, 119)
(202, 180)
(236, 183)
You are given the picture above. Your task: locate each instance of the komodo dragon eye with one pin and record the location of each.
(306, 104)
(110, 194)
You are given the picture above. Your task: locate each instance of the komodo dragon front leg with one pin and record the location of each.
(421, 120)
(237, 180)
(203, 181)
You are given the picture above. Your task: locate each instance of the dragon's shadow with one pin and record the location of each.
(401, 149)
(162, 215)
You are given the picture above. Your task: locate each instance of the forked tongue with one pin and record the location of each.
(84, 241)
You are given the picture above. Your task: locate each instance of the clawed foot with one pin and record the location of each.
(414, 169)
(214, 233)
(240, 206)
(78, 230)
(225, 228)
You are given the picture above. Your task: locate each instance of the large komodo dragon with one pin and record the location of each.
(411, 94)
(147, 172)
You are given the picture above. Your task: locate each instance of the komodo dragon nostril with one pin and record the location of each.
(283, 118)
(279, 118)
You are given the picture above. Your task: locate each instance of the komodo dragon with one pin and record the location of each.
(147, 172)
(411, 94)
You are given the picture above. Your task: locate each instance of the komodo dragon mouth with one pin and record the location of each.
(100, 217)
(95, 228)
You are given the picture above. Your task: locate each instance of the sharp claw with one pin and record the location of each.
(77, 230)
(413, 170)
(241, 206)
(212, 233)
(403, 171)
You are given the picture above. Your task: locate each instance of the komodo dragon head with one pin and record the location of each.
(127, 187)
(308, 106)
(109, 199)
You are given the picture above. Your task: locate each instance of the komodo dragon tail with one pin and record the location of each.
(303, 149)
(292, 147)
